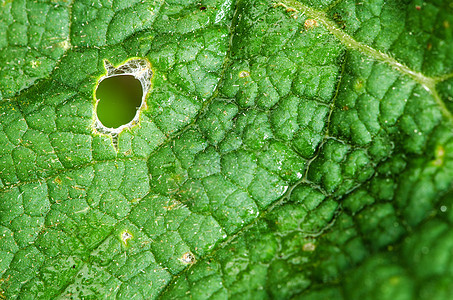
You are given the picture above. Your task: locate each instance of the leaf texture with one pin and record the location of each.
(287, 150)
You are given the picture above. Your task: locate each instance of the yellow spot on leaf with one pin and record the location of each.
(359, 84)
(64, 44)
(439, 156)
(309, 247)
(394, 280)
(244, 74)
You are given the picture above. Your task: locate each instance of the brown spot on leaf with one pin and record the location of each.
(188, 258)
(310, 23)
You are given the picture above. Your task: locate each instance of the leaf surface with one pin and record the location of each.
(286, 150)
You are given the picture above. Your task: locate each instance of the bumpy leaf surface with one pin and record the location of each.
(287, 150)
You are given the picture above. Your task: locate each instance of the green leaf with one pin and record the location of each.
(285, 150)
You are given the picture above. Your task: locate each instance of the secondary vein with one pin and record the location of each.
(427, 82)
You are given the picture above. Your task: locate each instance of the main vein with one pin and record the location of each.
(427, 82)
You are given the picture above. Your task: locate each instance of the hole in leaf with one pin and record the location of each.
(119, 98)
